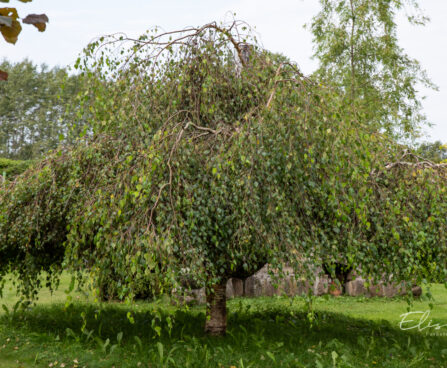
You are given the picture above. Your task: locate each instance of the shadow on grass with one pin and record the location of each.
(274, 335)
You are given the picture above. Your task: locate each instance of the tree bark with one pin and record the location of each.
(216, 310)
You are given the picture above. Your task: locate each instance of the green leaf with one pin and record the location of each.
(271, 356)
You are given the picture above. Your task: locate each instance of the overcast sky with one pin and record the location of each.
(279, 24)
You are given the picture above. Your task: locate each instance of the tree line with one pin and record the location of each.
(34, 104)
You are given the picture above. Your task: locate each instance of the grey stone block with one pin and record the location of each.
(416, 290)
(321, 285)
(188, 297)
(355, 287)
(229, 290)
(386, 289)
(238, 287)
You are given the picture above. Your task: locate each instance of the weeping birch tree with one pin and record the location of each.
(207, 157)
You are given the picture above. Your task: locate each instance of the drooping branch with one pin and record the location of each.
(411, 160)
(185, 37)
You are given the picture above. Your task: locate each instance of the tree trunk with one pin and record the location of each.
(216, 310)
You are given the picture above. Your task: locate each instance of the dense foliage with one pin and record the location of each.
(33, 109)
(355, 42)
(206, 158)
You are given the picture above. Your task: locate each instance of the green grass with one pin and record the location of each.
(263, 332)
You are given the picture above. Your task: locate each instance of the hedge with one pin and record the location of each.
(11, 168)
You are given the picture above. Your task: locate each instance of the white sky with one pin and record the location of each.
(279, 23)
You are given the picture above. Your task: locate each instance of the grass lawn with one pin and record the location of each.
(262, 332)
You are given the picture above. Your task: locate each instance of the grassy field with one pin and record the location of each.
(263, 332)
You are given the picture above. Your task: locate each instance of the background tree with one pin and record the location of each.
(355, 42)
(433, 151)
(33, 109)
(10, 26)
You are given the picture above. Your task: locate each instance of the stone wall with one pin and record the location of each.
(262, 284)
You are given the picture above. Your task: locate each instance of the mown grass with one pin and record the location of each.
(263, 332)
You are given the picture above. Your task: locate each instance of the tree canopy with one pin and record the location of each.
(207, 157)
(355, 42)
